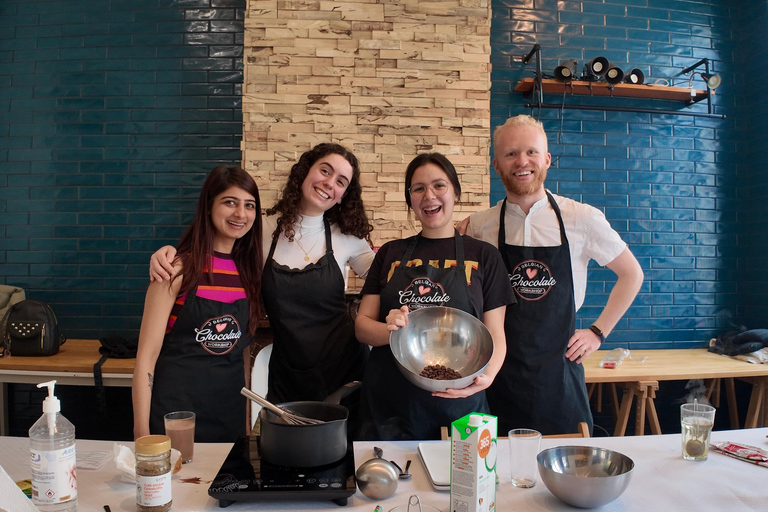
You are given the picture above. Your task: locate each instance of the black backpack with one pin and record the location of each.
(31, 329)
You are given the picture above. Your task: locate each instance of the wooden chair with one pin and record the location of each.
(582, 432)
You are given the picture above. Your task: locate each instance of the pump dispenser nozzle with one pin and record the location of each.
(51, 405)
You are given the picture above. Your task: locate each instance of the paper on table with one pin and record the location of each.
(11, 497)
(93, 460)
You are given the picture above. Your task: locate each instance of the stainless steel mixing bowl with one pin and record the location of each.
(584, 476)
(442, 336)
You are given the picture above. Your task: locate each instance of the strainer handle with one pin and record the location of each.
(413, 500)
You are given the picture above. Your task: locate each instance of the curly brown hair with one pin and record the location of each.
(349, 215)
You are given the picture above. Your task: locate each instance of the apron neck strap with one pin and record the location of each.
(328, 244)
(553, 203)
(502, 224)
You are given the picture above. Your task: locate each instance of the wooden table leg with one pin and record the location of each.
(598, 397)
(645, 392)
(653, 418)
(755, 402)
(642, 394)
(623, 415)
(730, 393)
(713, 392)
(614, 399)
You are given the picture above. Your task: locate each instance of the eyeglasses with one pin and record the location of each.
(438, 188)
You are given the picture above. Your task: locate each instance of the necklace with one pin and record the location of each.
(306, 253)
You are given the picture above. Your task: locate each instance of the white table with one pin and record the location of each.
(662, 479)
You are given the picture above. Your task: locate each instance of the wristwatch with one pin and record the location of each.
(595, 329)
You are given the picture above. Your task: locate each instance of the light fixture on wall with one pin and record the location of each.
(614, 75)
(712, 81)
(566, 71)
(635, 76)
(595, 68)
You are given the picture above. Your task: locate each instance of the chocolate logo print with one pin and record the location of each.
(422, 293)
(532, 280)
(219, 335)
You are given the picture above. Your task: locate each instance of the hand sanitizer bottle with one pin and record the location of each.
(52, 458)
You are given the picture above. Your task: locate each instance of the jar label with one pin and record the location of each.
(153, 491)
(54, 475)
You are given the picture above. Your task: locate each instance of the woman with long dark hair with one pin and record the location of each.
(196, 326)
(317, 227)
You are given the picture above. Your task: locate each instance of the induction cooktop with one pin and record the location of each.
(245, 476)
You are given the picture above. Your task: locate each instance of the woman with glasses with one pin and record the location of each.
(436, 267)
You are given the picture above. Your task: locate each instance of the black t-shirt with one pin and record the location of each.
(489, 286)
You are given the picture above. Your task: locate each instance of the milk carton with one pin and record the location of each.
(473, 463)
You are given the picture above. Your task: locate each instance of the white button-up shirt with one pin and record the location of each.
(588, 232)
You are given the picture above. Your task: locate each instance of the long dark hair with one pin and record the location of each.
(349, 215)
(431, 158)
(195, 246)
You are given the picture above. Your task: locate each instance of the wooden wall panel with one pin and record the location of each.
(387, 79)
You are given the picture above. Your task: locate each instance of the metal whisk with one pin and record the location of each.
(287, 415)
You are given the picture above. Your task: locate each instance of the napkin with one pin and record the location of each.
(742, 452)
(12, 498)
(126, 462)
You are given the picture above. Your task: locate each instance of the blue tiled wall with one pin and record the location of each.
(111, 113)
(667, 183)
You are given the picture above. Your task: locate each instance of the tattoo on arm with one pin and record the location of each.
(150, 380)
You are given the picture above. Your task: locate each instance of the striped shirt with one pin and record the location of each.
(221, 285)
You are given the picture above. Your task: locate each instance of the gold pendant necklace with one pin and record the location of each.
(306, 253)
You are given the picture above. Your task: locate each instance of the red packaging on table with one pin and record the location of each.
(742, 452)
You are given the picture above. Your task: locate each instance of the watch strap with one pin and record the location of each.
(595, 329)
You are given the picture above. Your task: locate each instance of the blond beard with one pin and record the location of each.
(524, 189)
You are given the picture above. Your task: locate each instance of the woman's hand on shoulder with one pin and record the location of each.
(161, 264)
(397, 318)
(480, 383)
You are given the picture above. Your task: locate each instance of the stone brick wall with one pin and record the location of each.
(388, 80)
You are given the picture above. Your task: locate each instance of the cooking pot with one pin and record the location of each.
(301, 446)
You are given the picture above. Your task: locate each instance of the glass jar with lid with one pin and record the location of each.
(153, 473)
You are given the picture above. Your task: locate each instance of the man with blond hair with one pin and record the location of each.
(546, 241)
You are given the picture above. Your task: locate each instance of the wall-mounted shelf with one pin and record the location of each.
(551, 86)
(539, 86)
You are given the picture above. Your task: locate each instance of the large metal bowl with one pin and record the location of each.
(584, 476)
(445, 336)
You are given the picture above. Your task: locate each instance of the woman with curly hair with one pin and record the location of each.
(317, 228)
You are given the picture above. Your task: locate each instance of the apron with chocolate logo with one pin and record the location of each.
(315, 351)
(395, 408)
(200, 368)
(537, 386)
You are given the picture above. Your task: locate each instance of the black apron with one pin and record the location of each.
(537, 386)
(200, 368)
(394, 408)
(315, 350)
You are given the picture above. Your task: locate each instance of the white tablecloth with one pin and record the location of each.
(662, 480)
